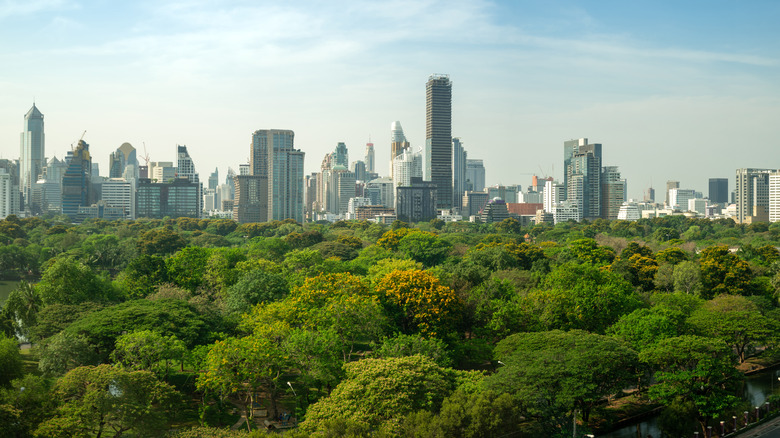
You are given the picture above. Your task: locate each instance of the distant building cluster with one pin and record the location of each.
(434, 180)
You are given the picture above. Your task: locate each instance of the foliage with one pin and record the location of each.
(723, 272)
(142, 275)
(160, 241)
(102, 399)
(417, 301)
(737, 321)
(255, 287)
(145, 349)
(582, 297)
(424, 247)
(402, 345)
(550, 374)
(696, 370)
(69, 281)
(376, 391)
(10, 361)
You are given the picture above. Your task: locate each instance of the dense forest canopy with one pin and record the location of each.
(186, 326)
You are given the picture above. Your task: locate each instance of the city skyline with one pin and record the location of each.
(672, 91)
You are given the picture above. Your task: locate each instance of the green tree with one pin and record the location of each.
(102, 400)
(644, 327)
(31, 396)
(552, 374)
(737, 321)
(245, 366)
(187, 267)
(142, 275)
(160, 241)
(23, 304)
(424, 247)
(588, 251)
(145, 350)
(672, 255)
(687, 277)
(377, 391)
(695, 370)
(11, 366)
(402, 345)
(582, 297)
(64, 352)
(69, 281)
(255, 287)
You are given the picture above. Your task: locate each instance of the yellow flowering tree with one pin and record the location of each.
(418, 301)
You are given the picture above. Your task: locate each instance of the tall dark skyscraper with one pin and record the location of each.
(438, 137)
(719, 190)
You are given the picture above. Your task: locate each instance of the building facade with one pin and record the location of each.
(719, 190)
(438, 137)
(178, 198)
(31, 153)
(417, 201)
(752, 195)
(77, 181)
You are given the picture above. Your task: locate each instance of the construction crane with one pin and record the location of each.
(146, 156)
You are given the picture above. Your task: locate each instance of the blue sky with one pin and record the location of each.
(673, 90)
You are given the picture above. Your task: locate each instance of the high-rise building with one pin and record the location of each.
(417, 201)
(77, 181)
(650, 195)
(473, 203)
(398, 142)
(475, 175)
(381, 191)
(583, 176)
(570, 147)
(119, 160)
(670, 185)
(120, 193)
(438, 137)
(406, 166)
(719, 190)
(11, 196)
(31, 154)
(774, 196)
(341, 155)
(214, 179)
(678, 198)
(752, 195)
(251, 201)
(459, 157)
(285, 177)
(613, 192)
(553, 194)
(370, 158)
(507, 193)
(177, 198)
(361, 173)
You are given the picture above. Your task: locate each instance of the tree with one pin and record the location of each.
(145, 349)
(160, 241)
(187, 267)
(644, 327)
(424, 247)
(409, 345)
(582, 297)
(672, 255)
(255, 287)
(142, 275)
(588, 251)
(166, 316)
(552, 374)
(418, 302)
(11, 366)
(245, 366)
(23, 304)
(69, 281)
(695, 370)
(64, 352)
(376, 391)
(102, 400)
(737, 321)
(686, 277)
(723, 272)
(31, 396)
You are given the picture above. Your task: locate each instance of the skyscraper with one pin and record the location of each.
(459, 157)
(719, 190)
(438, 137)
(341, 155)
(398, 142)
(613, 192)
(76, 182)
(752, 195)
(186, 169)
(370, 164)
(32, 151)
(475, 175)
(671, 185)
(119, 160)
(285, 177)
(583, 175)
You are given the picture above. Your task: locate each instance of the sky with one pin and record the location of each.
(673, 90)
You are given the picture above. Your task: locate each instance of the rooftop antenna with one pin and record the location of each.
(146, 156)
